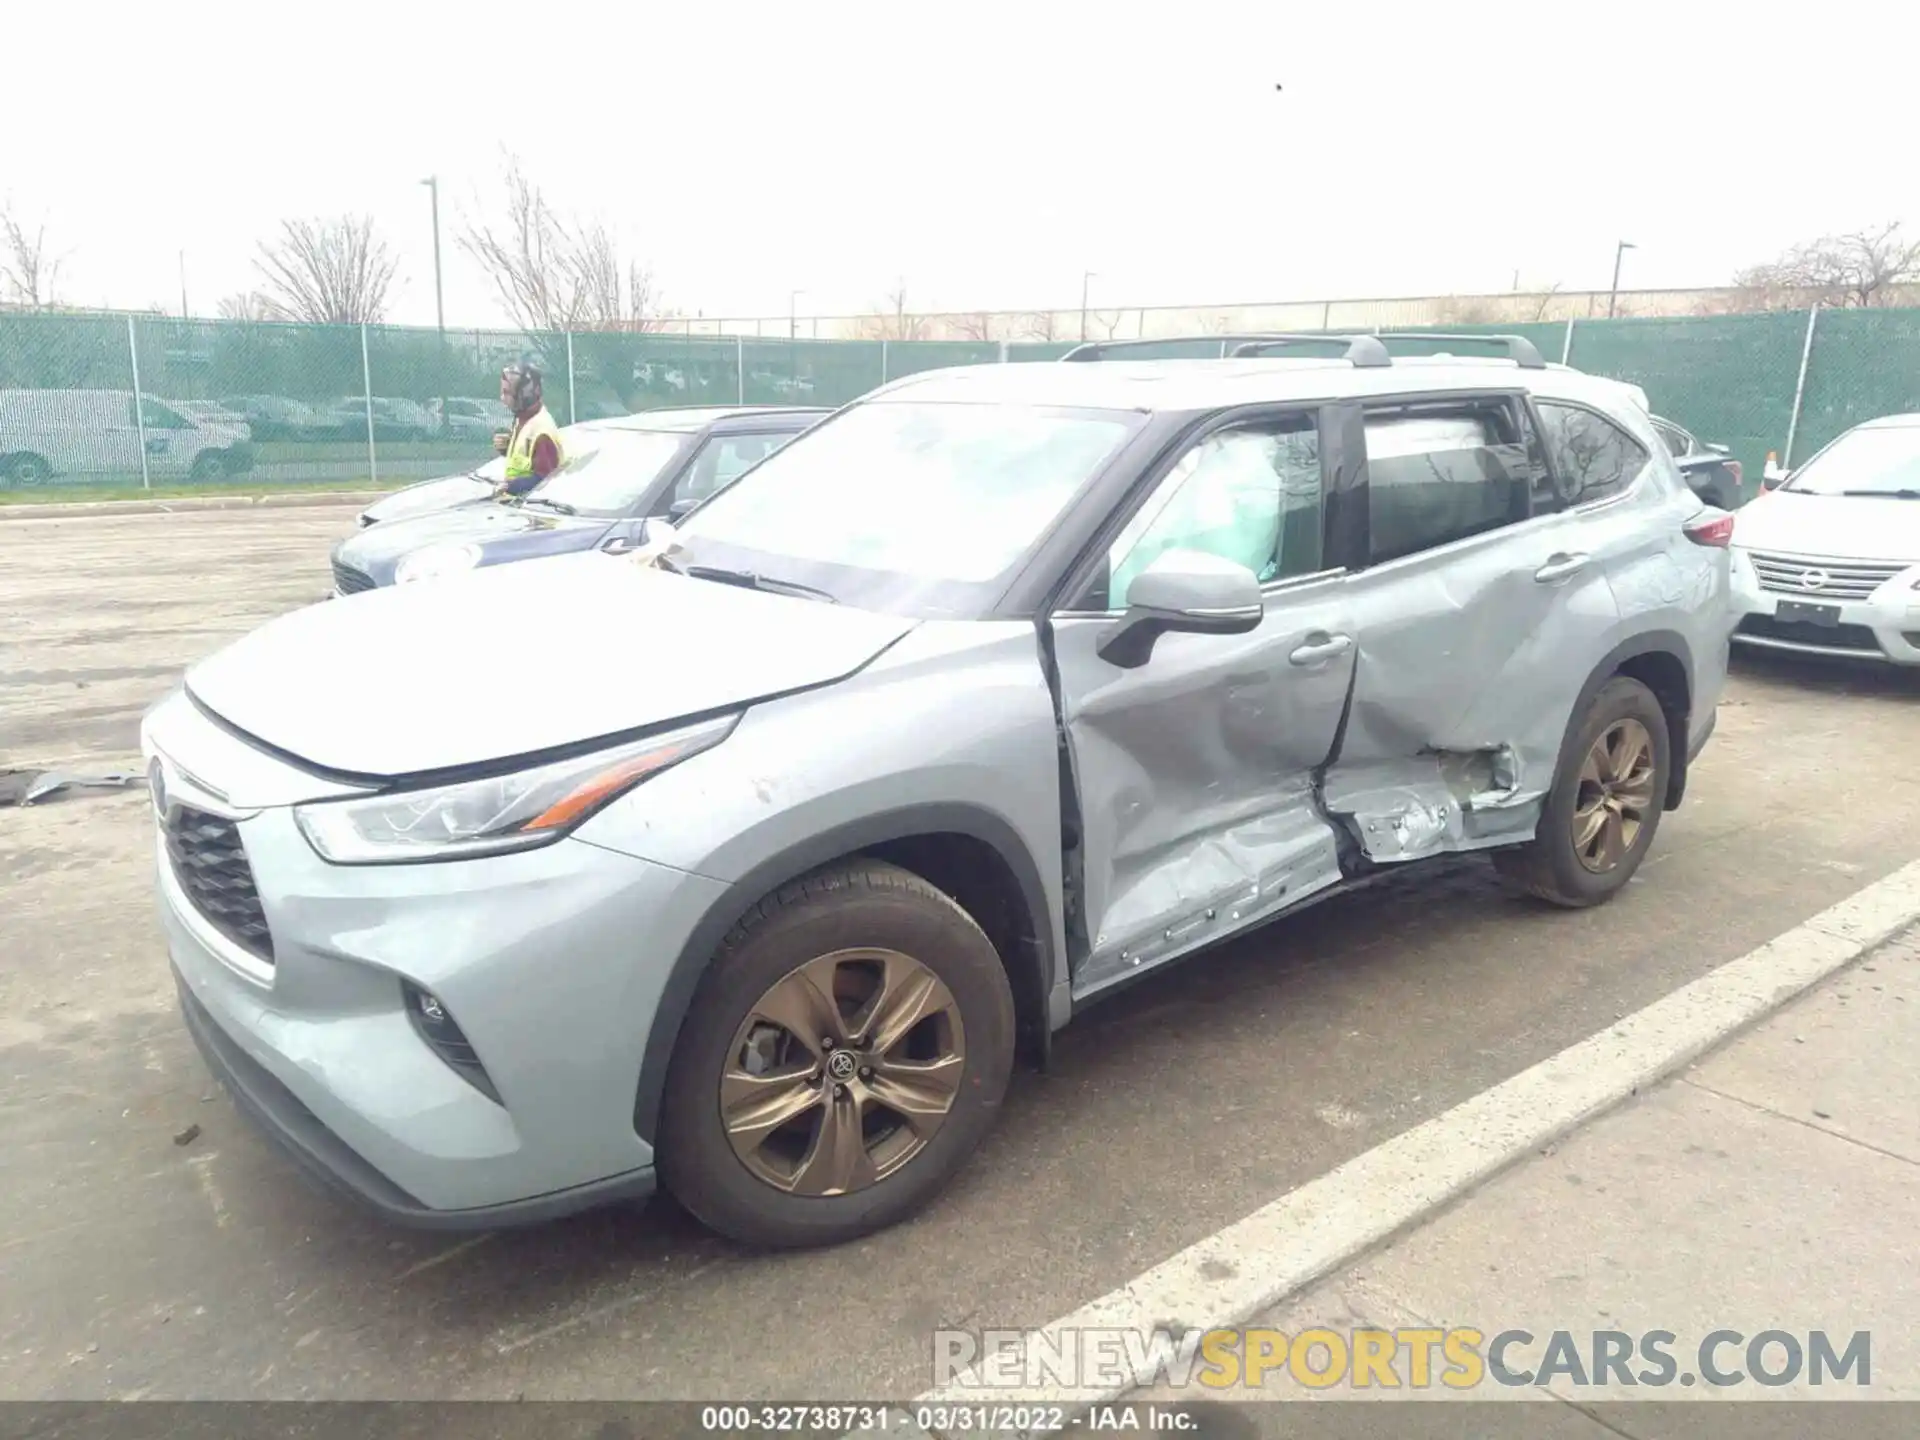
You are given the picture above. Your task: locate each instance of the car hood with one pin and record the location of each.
(503, 532)
(427, 496)
(511, 661)
(1831, 527)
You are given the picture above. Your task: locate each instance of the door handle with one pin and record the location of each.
(1561, 567)
(1314, 651)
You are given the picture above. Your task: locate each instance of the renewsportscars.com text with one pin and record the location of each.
(1461, 1358)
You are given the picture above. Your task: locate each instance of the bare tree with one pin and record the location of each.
(28, 271)
(1107, 320)
(1863, 268)
(893, 322)
(1041, 325)
(983, 326)
(554, 273)
(326, 272)
(246, 305)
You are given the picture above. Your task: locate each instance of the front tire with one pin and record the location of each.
(844, 1054)
(208, 465)
(1607, 799)
(27, 469)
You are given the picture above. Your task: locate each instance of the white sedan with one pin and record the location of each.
(1827, 561)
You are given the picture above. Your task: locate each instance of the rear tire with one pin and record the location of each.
(845, 1162)
(208, 465)
(1605, 806)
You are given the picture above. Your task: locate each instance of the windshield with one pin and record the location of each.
(940, 499)
(1864, 462)
(607, 472)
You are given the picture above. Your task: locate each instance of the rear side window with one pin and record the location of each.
(1593, 458)
(1437, 477)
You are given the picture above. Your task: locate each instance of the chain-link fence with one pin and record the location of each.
(144, 402)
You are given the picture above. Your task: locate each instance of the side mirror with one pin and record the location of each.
(680, 509)
(1188, 591)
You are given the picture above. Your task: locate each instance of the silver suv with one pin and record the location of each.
(747, 863)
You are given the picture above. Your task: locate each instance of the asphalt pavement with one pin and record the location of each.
(151, 1245)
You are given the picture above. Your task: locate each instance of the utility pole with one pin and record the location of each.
(793, 313)
(1085, 281)
(432, 182)
(183, 284)
(1613, 295)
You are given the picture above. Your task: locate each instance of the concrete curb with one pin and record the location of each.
(186, 504)
(1250, 1266)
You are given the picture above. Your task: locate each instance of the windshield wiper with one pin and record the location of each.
(559, 505)
(1884, 494)
(753, 580)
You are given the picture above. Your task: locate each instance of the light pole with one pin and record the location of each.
(1619, 253)
(183, 284)
(432, 182)
(793, 313)
(1085, 280)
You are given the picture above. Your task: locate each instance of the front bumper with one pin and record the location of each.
(552, 962)
(1883, 626)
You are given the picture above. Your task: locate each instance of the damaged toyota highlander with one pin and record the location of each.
(748, 865)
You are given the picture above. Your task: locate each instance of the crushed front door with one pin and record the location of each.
(1194, 774)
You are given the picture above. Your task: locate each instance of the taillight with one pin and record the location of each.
(1717, 531)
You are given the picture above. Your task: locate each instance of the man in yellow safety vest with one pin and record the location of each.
(532, 447)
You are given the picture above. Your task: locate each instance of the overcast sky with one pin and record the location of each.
(985, 153)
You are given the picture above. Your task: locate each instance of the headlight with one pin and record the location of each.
(499, 813)
(435, 561)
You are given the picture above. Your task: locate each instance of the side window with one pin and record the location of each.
(722, 460)
(1677, 441)
(1595, 458)
(159, 417)
(1439, 477)
(1250, 494)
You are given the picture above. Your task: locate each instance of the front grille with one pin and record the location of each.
(211, 865)
(349, 581)
(1827, 637)
(1839, 579)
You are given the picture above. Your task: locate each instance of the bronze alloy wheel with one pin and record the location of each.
(1616, 794)
(842, 1072)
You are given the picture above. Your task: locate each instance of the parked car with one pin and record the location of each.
(97, 434)
(392, 419)
(476, 487)
(1826, 561)
(1709, 470)
(743, 864)
(617, 474)
(469, 419)
(276, 417)
(211, 412)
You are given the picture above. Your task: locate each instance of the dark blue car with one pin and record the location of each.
(617, 474)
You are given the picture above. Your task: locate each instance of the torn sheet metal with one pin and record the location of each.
(1210, 883)
(1436, 802)
(29, 787)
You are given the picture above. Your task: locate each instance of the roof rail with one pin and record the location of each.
(1517, 348)
(1363, 352)
(1364, 349)
(1098, 349)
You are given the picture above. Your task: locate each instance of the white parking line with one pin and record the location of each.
(1248, 1267)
